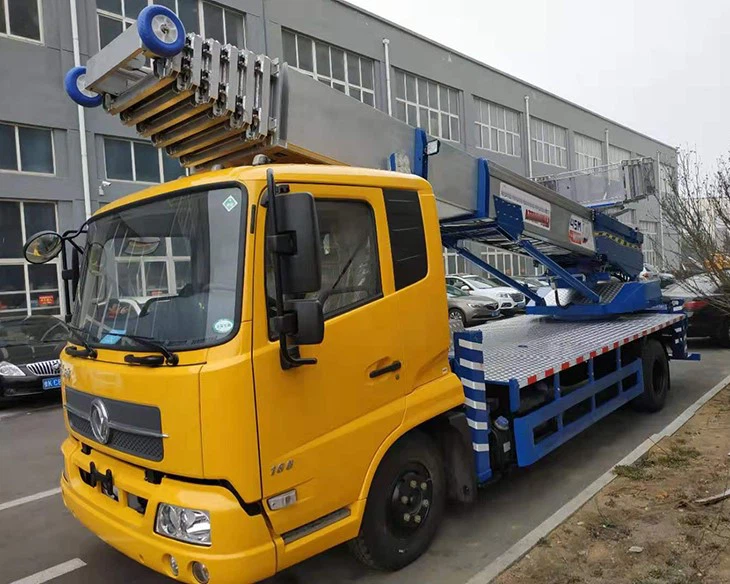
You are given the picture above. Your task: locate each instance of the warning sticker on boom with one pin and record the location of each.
(580, 232)
(534, 211)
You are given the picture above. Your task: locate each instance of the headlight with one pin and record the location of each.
(10, 370)
(504, 295)
(475, 305)
(181, 523)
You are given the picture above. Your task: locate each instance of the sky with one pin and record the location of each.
(659, 67)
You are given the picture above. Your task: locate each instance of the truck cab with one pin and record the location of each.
(202, 444)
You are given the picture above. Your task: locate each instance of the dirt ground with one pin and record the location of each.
(645, 527)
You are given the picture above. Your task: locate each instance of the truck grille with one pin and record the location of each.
(142, 446)
(51, 367)
(135, 429)
(517, 297)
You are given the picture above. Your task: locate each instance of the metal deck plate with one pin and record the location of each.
(530, 348)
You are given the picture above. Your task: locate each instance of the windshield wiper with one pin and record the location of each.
(88, 351)
(169, 357)
(166, 356)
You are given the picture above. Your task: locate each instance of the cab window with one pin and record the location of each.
(350, 266)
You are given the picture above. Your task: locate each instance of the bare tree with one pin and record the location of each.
(696, 210)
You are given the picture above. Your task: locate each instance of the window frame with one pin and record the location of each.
(481, 125)
(648, 249)
(19, 161)
(585, 156)
(10, 35)
(438, 110)
(26, 268)
(128, 20)
(201, 19)
(160, 163)
(332, 81)
(376, 251)
(544, 143)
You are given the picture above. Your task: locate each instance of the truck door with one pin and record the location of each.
(320, 425)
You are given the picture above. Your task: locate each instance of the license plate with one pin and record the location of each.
(52, 383)
(495, 313)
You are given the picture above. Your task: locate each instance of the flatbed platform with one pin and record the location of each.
(527, 348)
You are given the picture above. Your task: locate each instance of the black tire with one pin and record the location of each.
(457, 314)
(389, 540)
(723, 334)
(656, 377)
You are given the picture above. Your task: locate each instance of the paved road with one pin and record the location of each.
(40, 534)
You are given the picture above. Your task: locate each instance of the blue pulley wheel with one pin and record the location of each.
(75, 84)
(161, 31)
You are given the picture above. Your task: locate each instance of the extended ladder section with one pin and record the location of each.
(211, 105)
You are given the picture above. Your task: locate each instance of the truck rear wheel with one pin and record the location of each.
(405, 505)
(656, 377)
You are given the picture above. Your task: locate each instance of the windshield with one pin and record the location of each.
(479, 282)
(453, 291)
(31, 330)
(168, 270)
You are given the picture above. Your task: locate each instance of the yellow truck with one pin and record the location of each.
(261, 364)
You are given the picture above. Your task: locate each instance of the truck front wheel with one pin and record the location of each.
(405, 505)
(656, 377)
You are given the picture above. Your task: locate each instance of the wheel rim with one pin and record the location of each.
(164, 28)
(411, 500)
(456, 315)
(81, 85)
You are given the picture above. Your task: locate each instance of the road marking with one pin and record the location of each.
(29, 499)
(51, 573)
(524, 545)
(7, 415)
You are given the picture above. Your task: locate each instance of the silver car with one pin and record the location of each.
(470, 310)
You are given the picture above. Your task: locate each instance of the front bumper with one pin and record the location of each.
(482, 315)
(241, 551)
(21, 386)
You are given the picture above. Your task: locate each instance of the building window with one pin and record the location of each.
(164, 272)
(428, 105)
(21, 19)
(27, 289)
(131, 160)
(649, 229)
(616, 154)
(211, 20)
(344, 71)
(588, 152)
(223, 24)
(497, 128)
(26, 149)
(666, 178)
(549, 143)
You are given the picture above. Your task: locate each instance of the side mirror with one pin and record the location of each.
(310, 321)
(43, 247)
(298, 243)
(465, 288)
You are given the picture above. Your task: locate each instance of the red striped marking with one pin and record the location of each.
(593, 354)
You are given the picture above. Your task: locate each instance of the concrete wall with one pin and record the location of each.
(32, 80)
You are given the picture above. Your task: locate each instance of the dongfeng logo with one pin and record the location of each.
(99, 421)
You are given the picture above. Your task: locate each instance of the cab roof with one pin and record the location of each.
(283, 173)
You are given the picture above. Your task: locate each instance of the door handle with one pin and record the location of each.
(394, 366)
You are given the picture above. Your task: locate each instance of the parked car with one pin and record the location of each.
(649, 272)
(533, 282)
(705, 319)
(470, 310)
(510, 300)
(30, 347)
